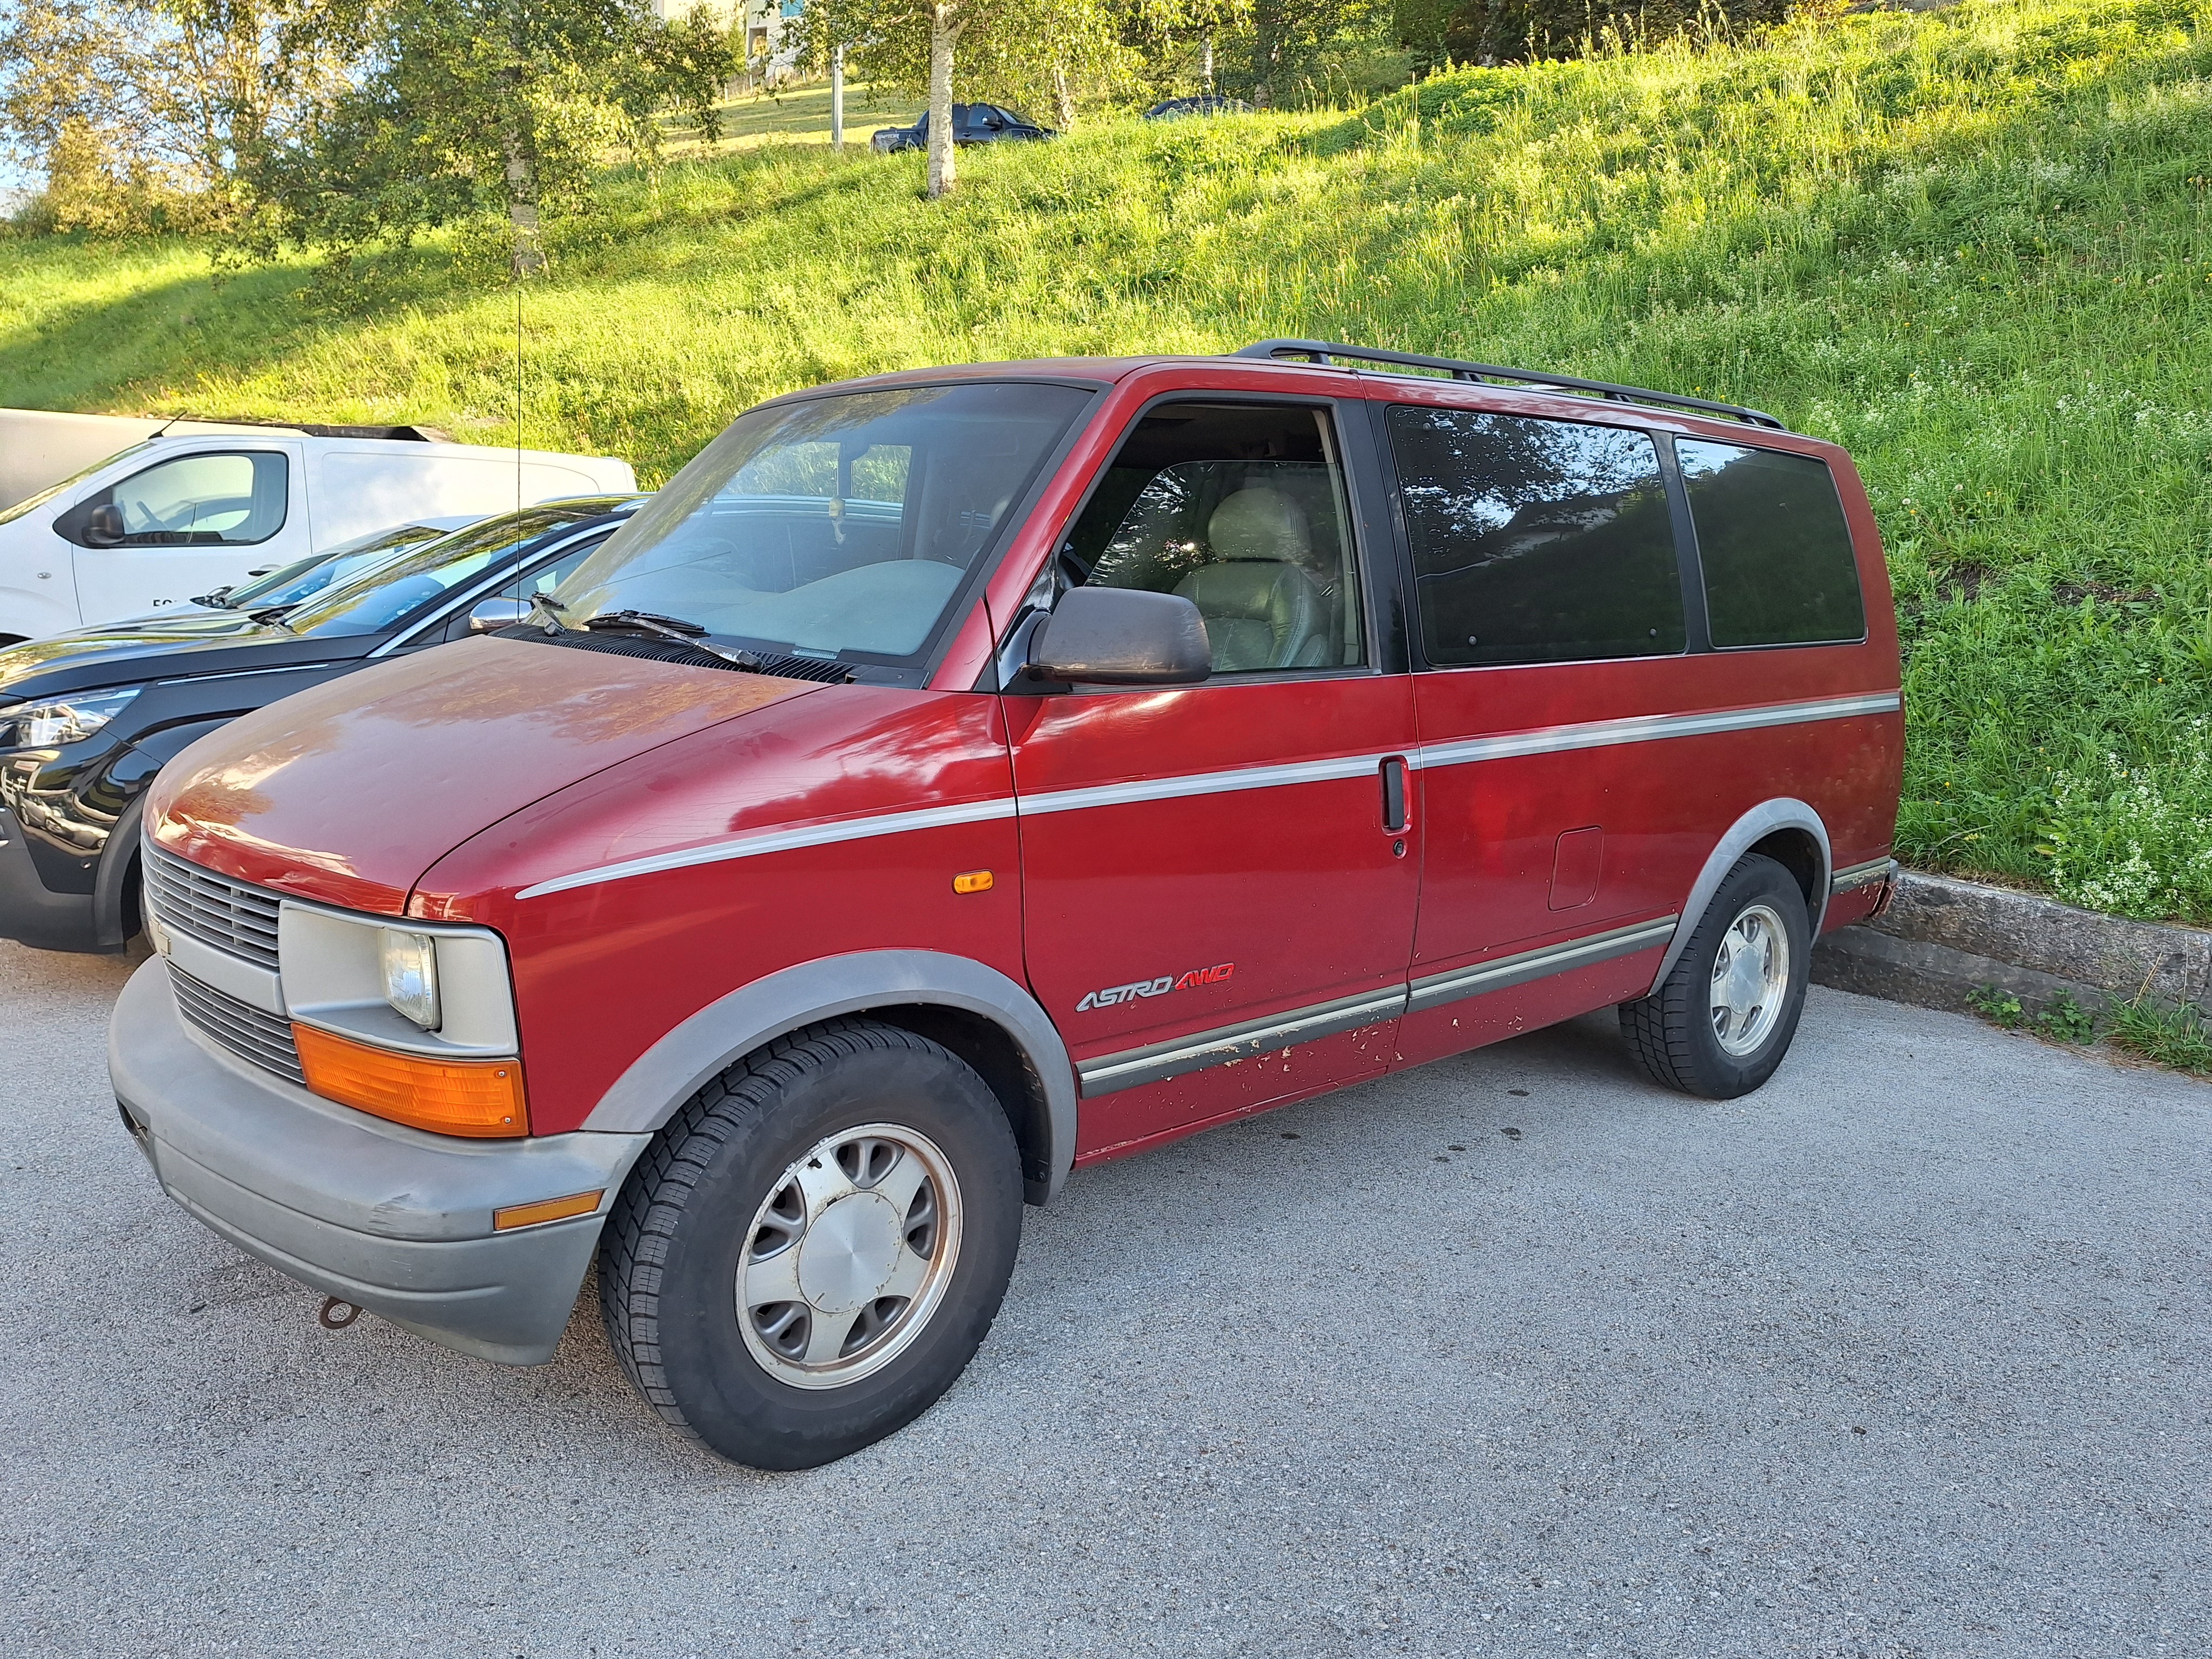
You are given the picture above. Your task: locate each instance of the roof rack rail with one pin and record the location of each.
(410, 434)
(1323, 352)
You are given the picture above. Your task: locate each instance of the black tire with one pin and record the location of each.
(1672, 1032)
(689, 1217)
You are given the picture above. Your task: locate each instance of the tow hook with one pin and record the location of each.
(336, 1314)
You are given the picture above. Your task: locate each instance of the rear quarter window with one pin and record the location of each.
(1775, 548)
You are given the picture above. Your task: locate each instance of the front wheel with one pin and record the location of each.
(1721, 1020)
(811, 1253)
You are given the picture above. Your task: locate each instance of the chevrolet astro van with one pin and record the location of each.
(955, 777)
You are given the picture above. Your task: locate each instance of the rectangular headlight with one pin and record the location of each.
(410, 976)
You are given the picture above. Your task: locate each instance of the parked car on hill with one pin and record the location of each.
(175, 515)
(958, 775)
(972, 124)
(1178, 109)
(87, 718)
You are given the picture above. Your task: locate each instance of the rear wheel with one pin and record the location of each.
(1722, 1019)
(811, 1253)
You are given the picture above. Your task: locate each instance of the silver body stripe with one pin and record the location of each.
(1861, 875)
(1547, 740)
(1502, 972)
(1132, 1067)
(1203, 783)
(1648, 728)
(782, 841)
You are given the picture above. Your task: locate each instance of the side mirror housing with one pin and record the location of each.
(489, 616)
(1122, 636)
(103, 526)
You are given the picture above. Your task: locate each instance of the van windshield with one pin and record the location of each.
(841, 527)
(381, 596)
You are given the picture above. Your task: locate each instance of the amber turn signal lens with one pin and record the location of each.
(972, 881)
(478, 1098)
(546, 1209)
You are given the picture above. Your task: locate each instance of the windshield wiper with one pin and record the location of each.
(671, 628)
(273, 614)
(219, 596)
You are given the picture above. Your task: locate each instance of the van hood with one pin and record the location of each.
(348, 791)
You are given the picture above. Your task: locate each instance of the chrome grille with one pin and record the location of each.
(254, 1035)
(212, 908)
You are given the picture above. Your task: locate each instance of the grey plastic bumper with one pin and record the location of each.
(391, 1218)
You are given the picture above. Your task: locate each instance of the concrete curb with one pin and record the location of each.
(1941, 937)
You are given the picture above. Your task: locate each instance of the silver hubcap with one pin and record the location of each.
(1751, 977)
(849, 1257)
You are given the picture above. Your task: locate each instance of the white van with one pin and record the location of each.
(184, 513)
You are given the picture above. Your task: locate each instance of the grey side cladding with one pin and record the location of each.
(1754, 826)
(675, 1068)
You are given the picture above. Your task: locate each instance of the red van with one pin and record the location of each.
(953, 777)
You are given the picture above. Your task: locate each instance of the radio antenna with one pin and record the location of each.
(518, 393)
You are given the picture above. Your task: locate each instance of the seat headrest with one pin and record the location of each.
(1260, 522)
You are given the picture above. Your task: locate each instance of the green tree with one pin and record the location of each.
(149, 113)
(490, 107)
(1475, 32)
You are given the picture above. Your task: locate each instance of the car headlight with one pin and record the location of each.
(66, 719)
(409, 962)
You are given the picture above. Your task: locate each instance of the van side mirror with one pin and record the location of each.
(1122, 636)
(103, 526)
(489, 616)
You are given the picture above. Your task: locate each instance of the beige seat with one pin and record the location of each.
(1261, 609)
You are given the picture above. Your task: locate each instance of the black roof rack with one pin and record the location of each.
(1323, 352)
(413, 433)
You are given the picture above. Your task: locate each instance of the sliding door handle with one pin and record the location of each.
(1396, 816)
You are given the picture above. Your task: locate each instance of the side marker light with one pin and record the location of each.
(546, 1209)
(972, 881)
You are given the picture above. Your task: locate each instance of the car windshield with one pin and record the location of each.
(386, 594)
(9, 514)
(842, 525)
(289, 583)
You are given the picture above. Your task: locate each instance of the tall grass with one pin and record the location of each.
(1971, 244)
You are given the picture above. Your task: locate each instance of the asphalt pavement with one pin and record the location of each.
(1512, 1355)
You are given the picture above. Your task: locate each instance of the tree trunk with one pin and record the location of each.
(944, 32)
(837, 97)
(527, 257)
(1267, 48)
(1205, 64)
(1066, 99)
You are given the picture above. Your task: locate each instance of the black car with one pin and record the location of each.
(972, 124)
(87, 718)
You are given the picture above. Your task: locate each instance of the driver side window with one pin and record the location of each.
(203, 501)
(1241, 510)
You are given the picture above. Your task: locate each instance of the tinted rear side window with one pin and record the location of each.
(1774, 546)
(1533, 540)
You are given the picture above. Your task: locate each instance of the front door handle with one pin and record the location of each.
(1394, 814)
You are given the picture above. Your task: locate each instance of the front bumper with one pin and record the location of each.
(390, 1219)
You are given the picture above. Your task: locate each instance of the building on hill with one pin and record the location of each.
(771, 56)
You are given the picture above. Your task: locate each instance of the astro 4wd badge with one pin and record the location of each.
(1115, 995)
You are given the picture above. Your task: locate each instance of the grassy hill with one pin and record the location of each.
(1972, 244)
